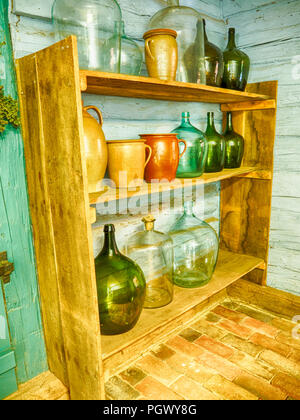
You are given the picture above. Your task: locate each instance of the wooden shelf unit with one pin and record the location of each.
(50, 87)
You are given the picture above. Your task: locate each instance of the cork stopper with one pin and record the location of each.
(149, 222)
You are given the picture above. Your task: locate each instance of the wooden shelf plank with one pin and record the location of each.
(249, 106)
(187, 302)
(111, 84)
(108, 194)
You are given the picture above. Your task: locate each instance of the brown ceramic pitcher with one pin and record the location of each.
(95, 148)
(127, 162)
(164, 162)
(161, 53)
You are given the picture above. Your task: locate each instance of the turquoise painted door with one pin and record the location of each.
(8, 381)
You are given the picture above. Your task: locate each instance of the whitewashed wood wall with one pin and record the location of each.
(270, 33)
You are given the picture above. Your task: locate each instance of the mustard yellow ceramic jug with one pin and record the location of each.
(95, 148)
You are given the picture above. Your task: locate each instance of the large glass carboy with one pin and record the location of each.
(196, 249)
(94, 22)
(188, 24)
(153, 252)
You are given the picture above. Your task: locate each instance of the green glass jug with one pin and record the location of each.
(121, 288)
(196, 250)
(237, 65)
(191, 164)
(216, 147)
(234, 145)
(214, 62)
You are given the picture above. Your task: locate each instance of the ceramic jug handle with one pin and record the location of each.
(150, 154)
(147, 42)
(99, 113)
(182, 141)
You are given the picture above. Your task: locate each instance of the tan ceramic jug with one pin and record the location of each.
(127, 162)
(95, 148)
(161, 52)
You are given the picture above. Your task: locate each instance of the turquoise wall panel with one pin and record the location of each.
(22, 298)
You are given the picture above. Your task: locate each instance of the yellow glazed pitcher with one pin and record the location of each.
(127, 162)
(95, 148)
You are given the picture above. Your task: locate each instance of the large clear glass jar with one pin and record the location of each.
(131, 54)
(192, 162)
(121, 288)
(94, 23)
(196, 250)
(188, 24)
(153, 252)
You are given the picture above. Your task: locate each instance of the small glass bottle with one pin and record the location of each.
(191, 164)
(131, 53)
(196, 249)
(234, 148)
(153, 251)
(237, 65)
(216, 147)
(214, 62)
(121, 288)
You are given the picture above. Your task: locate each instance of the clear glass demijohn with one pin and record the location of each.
(188, 23)
(196, 250)
(94, 23)
(153, 252)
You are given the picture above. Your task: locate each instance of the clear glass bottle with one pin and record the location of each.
(234, 149)
(191, 164)
(153, 252)
(196, 250)
(214, 62)
(121, 287)
(216, 147)
(237, 65)
(94, 24)
(131, 53)
(185, 21)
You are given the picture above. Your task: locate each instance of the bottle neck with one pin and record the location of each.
(210, 123)
(189, 208)
(231, 39)
(110, 246)
(186, 119)
(229, 126)
(204, 29)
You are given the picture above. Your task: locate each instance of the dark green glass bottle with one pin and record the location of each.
(237, 65)
(191, 164)
(216, 147)
(234, 146)
(214, 62)
(121, 288)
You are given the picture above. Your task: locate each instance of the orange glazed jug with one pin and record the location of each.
(95, 148)
(165, 157)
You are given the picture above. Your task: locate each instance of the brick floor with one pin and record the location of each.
(233, 352)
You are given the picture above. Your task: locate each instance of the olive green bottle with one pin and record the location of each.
(216, 147)
(237, 65)
(234, 145)
(121, 288)
(214, 62)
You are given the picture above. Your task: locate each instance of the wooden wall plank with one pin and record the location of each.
(246, 203)
(58, 191)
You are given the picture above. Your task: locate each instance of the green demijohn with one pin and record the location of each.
(121, 288)
(216, 147)
(153, 251)
(214, 62)
(236, 65)
(191, 164)
(234, 146)
(196, 250)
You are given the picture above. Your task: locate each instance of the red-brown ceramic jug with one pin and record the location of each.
(165, 157)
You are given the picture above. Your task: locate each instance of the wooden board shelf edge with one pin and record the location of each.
(112, 194)
(112, 84)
